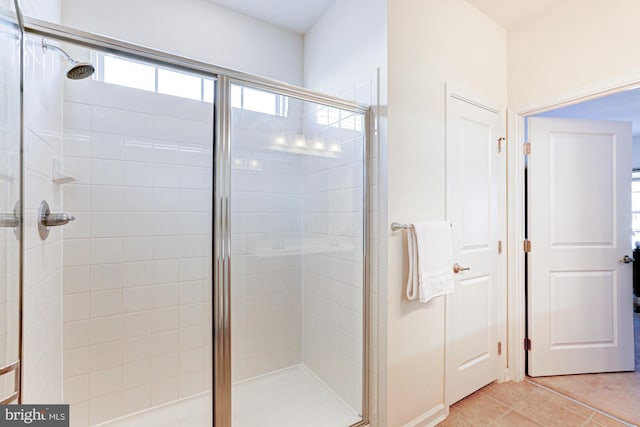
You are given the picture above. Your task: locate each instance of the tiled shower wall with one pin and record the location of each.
(42, 294)
(297, 264)
(266, 204)
(137, 259)
(333, 263)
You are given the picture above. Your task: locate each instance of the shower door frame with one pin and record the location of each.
(221, 262)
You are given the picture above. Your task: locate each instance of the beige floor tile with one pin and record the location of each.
(599, 420)
(482, 408)
(514, 418)
(550, 409)
(457, 418)
(510, 393)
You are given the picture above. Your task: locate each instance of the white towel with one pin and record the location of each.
(430, 247)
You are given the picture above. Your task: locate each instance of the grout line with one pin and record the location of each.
(613, 417)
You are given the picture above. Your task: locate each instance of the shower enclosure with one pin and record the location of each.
(214, 271)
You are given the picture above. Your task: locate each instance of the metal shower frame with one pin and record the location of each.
(221, 272)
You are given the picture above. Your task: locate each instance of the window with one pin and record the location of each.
(144, 76)
(335, 117)
(259, 101)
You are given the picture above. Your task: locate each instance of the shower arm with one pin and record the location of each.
(46, 46)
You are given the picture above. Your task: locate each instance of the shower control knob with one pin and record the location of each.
(48, 219)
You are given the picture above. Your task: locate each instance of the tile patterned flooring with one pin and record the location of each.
(529, 404)
(520, 405)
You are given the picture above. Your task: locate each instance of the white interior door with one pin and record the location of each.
(475, 205)
(579, 294)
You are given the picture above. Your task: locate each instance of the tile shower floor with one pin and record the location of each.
(291, 397)
(190, 412)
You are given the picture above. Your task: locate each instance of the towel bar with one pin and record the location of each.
(395, 226)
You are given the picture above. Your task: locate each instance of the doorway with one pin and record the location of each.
(622, 388)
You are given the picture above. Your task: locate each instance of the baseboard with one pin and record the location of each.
(430, 418)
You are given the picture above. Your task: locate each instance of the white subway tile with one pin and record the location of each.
(165, 295)
(106, 303)
(137, 249)
(136, 349)
(137, 324)
(136, 374)
(107, 120)
(76, 280)
(104, 251)
(77, 307)
(137, 199)
(164, 367)
(107, 146)
(138, 174)
(105, 329)
(164, 343)
(138, 149)
(136, 399)
(107, 355)
(105, 277)
(76, 389)
(164, 391)
(136, 274)
(76, 334)
(165, 319)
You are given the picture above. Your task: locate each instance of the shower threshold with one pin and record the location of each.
(291, 397)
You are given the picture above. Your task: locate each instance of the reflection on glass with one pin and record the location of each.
(10, 200)
(297, 266)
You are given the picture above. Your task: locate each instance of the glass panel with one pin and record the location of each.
(9, 194)
(134, 268)
(296, 267)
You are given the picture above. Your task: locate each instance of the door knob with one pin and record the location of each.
(47, 219)
(457, 268)
(626, 259)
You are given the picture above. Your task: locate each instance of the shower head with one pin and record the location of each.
(76, 70)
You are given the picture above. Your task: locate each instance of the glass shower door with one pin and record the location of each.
(297, 261)
(10, 188)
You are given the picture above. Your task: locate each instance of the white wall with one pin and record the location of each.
(430, 43)
(345, 54)
(194, 28)
(574, 47)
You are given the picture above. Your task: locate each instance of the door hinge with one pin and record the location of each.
(527, 344)
(500, 141)
(499, 247)
(499, 348)
(526, 148)
(527, 246)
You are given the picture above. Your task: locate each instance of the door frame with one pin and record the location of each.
(516, 273)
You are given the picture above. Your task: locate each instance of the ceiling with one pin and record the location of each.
(300, 15)
(294, 15)
(509, 13)
(623, 106)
